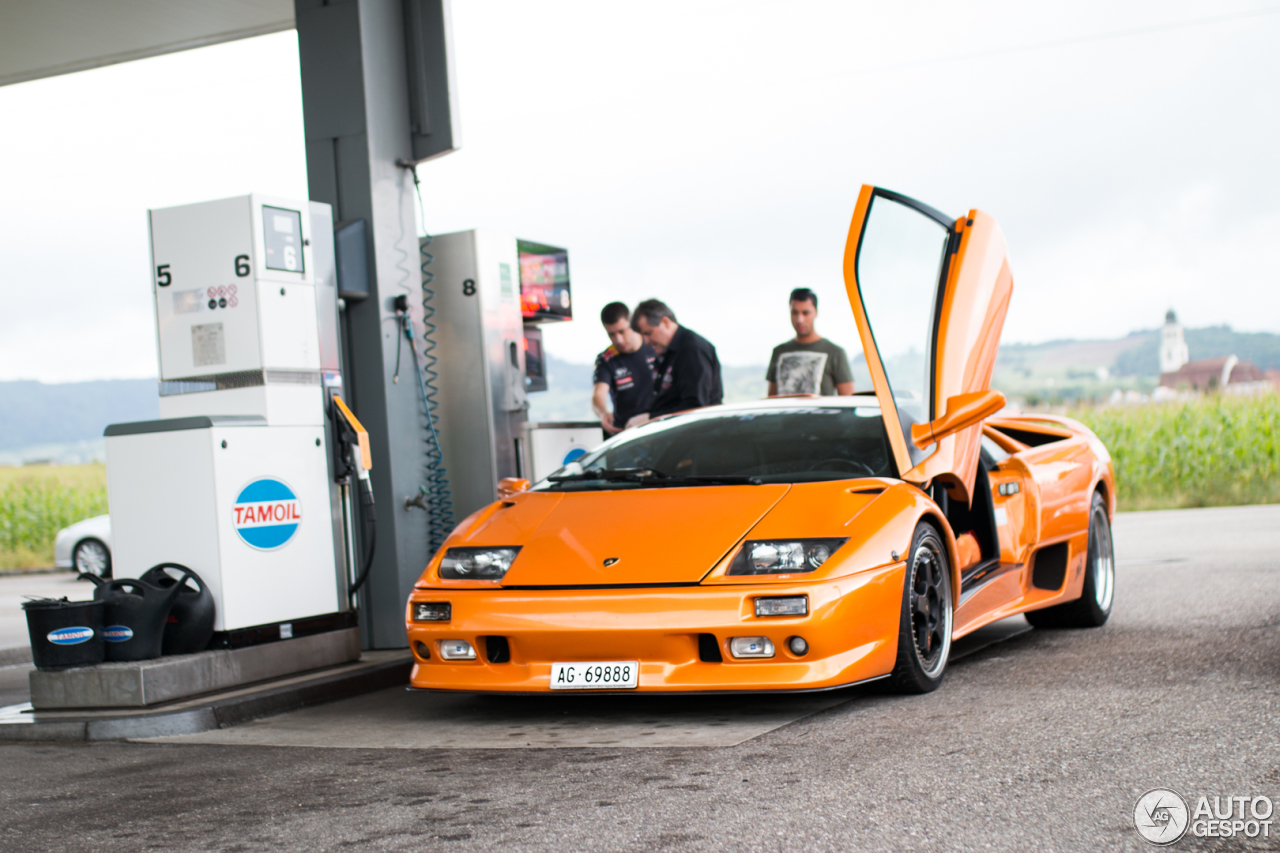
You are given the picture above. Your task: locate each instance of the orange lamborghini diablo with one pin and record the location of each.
(794, 543)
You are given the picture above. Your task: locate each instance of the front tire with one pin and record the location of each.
(1093, 607)
(924, 628)
(93, 557)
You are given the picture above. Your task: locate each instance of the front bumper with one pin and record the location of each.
(851, 631)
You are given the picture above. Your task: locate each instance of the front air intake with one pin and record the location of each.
(497, 649)
(709, 649)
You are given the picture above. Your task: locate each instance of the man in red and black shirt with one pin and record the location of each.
(624, 372)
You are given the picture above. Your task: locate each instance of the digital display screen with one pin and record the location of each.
(544, 282)
(535, 367)
(282, 236)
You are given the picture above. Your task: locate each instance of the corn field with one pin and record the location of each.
(37, 501)
(1217, 451)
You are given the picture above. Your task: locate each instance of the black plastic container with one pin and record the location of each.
(134, 617)
(65, 633)
(190, 623)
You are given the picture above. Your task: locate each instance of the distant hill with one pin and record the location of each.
(1070, 369)
(65, 421)
(1261, 348)
(35, 413)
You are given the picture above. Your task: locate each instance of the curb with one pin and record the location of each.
(217, 714)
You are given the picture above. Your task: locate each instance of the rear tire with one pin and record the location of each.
(1093, 607)
(924, 627)
(93, 557)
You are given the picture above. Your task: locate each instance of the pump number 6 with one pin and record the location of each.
(162, 275)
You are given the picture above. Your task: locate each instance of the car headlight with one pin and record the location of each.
(486, 564)
(783, 556)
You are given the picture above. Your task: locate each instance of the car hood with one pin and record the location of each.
(648, 536)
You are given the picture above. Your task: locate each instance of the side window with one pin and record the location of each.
(995, 453)
(900, 260)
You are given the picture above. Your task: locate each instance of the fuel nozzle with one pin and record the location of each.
(353, 442)
(354, 458)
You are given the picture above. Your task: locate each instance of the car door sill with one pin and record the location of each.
(976, 577)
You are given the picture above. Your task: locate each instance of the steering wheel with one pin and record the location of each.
(837, 463)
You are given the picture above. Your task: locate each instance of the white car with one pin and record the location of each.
(85, 546)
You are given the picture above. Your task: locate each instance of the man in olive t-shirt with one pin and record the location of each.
(809, 364)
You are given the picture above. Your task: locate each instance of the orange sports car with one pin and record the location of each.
(794, 543)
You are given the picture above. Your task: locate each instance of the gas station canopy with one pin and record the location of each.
(44, 38)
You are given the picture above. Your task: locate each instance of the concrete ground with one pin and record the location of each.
(1044, 742)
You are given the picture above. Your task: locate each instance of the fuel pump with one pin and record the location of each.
(236, 478)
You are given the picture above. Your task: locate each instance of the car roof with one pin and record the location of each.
(861, 400)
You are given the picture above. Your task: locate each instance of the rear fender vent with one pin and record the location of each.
(709, 649)
(1050, 567)
(497, 649)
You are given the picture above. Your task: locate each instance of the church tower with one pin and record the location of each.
(1173, 346)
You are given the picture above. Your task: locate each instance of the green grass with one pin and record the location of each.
(37, 501)
(1217, 451)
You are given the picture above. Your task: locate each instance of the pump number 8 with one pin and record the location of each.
(468, 287)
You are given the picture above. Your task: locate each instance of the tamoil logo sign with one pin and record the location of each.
(267, 514)
(70, 636)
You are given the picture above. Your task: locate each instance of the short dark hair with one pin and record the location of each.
(652, 310)
(613, 312)
(804, 294)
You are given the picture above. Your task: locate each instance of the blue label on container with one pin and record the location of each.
(117, 633)
(70, 636)
(576, 453)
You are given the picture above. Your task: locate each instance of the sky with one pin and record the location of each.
(709, 154)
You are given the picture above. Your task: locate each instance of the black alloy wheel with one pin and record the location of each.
(924, 631)
(1093, 608)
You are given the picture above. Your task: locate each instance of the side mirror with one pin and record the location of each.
(963, 411)
(509, 486)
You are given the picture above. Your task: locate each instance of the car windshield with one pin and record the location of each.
(804, 443)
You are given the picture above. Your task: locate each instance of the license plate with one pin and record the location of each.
(595, 675)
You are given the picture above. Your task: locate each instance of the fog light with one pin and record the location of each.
(798, 646)
(793, 605)
(423, 650)
(751, 647)
(432, 611)
(457, 650)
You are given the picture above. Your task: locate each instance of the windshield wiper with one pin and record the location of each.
(650, 477)
(703, 480)
(605, 474)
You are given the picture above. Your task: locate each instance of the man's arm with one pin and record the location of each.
(773, 389)
(694, 380)
(600, 405)
(844, 389)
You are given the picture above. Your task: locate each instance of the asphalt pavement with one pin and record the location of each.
(1044, 741)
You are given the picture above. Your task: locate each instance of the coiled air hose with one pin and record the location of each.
(439, 499)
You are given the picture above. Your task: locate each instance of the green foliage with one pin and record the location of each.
(1218, 451)
(36, 502)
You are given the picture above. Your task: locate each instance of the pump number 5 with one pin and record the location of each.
(162, 275)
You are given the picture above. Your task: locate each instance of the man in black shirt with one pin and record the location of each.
(688, 371)
(624, 372)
